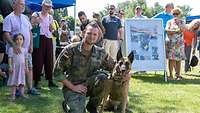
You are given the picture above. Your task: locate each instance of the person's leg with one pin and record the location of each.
(74, 102)
(48, 63)
(13, 91)
(114, 48)
(38, 61)
(171, 66)
(187, 55)
(106, 45)
(29, 75)
(178, 70)
(21, 89)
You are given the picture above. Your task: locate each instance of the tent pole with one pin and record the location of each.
(74, 19)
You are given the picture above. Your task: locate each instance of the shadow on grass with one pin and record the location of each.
(159, 79)
(48, 102)
(194, 75)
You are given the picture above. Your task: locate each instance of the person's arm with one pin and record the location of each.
(1, 57)
(31, 43)
(62, 64)
(120, 31)
(194, 43)
(120, 34)
(2, 51)
(10, 60)
(10, 68)
(51, 29)
(76, 88)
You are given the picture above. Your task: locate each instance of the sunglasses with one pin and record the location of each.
(175, 13)
(111, 8)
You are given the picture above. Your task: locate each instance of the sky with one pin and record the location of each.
(90, 6)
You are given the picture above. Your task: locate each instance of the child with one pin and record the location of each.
(18, 64)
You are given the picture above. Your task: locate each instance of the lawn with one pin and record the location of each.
(148, 94)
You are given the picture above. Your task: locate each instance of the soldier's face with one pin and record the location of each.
(91, 35)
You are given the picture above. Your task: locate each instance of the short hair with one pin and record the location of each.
(112, 6)
(81, 13)
(169, 4)
(121, 10)
(95, 15)
(93, 24)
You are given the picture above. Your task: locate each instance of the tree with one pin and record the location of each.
(129, 6)
(185, 10)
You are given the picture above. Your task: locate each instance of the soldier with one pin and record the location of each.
(81, 63)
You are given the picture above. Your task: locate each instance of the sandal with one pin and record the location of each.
(170, 78)
(178, 77)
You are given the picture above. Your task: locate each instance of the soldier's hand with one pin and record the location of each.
(80, 89)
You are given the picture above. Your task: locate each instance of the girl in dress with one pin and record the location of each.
(18, 64)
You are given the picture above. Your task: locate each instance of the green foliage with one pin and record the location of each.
(129, 7)
(70, 21)
(185, 10)
(63, 13)
(1, 19)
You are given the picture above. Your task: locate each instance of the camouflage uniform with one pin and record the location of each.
(79, 69)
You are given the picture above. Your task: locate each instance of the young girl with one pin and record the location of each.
(18, 64)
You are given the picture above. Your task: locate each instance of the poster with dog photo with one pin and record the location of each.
(145, 37)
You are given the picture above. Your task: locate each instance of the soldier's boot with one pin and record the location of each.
(92, 105)
(65, 107)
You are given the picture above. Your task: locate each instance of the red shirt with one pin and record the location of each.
(188, 37)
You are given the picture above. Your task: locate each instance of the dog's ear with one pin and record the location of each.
(131, 57)
(119, 54)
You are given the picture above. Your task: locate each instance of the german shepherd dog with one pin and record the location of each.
(116, 88)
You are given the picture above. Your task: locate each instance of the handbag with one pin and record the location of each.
(194, 61)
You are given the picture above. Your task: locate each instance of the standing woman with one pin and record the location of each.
(175, 53)
(43, 56)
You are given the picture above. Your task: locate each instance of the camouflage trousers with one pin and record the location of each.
(76, 102)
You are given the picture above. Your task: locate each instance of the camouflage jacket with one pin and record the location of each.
(75, 67)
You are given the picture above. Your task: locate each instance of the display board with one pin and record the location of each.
(145, 37)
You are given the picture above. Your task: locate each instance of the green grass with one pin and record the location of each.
(148, 94)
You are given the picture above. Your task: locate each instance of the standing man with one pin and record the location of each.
(84, 21)
(165, 15)
(138, 13)
(113, 32)
(123, 44)
(78, 68)
(15, 23)
(43, 56)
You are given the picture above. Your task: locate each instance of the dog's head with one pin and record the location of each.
(123, 65)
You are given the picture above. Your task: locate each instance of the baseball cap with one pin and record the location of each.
(47, 3)
(137, 7)
(35, 14)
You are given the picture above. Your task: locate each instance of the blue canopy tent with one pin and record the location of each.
(35, 5)
(190, 18)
